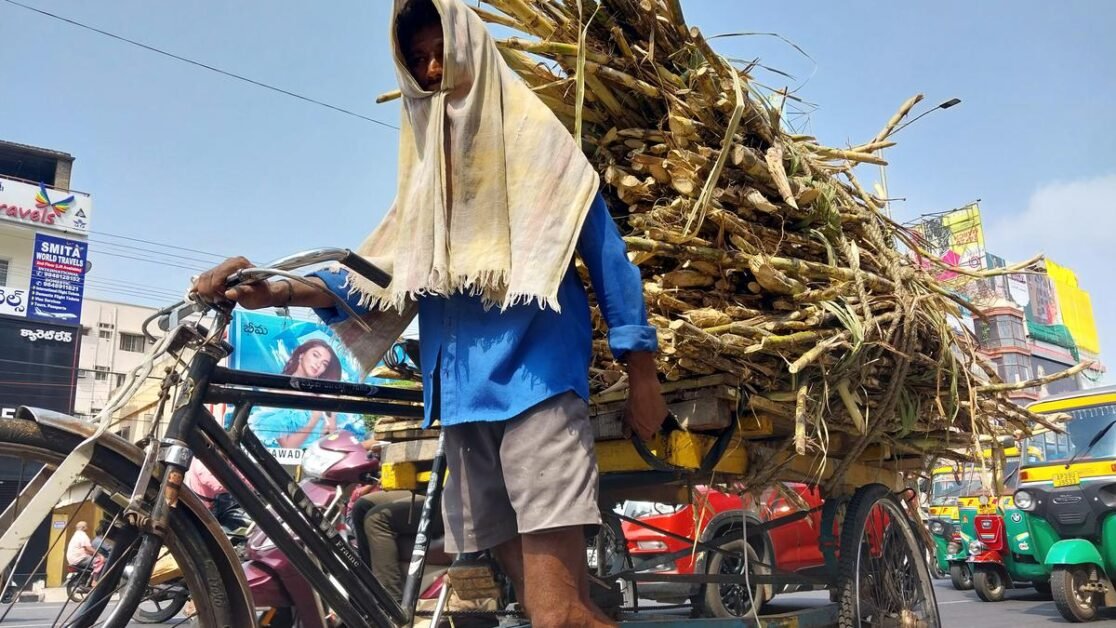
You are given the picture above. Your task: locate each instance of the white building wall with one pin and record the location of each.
(111, 346)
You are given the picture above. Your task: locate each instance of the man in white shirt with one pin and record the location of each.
(79, 551)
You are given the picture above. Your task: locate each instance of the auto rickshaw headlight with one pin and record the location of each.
(953, 548)
(1024, 500)
(983, 500)
(976, 547)
(937, 528)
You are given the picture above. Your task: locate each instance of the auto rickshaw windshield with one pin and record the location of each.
(1085, 424)
(950, 485)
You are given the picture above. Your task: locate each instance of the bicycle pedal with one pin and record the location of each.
(473, 580)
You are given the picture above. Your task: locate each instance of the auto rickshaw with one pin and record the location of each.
(1069, 499)
(948, 484)
(1001, 555)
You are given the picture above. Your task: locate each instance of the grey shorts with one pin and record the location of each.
(535, 472)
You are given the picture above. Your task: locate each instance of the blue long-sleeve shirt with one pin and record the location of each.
(488, 365)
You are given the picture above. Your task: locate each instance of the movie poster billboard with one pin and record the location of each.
(274, 344)
(956, 238)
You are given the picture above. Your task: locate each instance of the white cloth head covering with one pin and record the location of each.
(492, 189)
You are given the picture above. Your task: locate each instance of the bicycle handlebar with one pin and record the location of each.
(170, 316)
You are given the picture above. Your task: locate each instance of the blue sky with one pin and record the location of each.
(173, 153)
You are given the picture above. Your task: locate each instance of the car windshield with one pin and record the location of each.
(1085, 424)
(950, 485)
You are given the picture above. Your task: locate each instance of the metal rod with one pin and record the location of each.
(296, 401)
(222, 375)
(305, 521)
(430, 506)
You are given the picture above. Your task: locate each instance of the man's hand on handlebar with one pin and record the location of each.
(212, 286)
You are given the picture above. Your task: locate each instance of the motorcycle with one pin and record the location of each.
(332, 469)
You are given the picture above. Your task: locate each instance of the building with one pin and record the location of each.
(43, 246)
(1034, 324)
(112, 345)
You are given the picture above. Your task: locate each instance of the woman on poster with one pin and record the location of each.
(294, 429)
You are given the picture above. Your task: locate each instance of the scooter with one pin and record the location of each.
(332, 468)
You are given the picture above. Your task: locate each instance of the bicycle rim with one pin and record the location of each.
(38, 449)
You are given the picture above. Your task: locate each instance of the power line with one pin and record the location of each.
(202, 65)
(129, 248)
(159, 244)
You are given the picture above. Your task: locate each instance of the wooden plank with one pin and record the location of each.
(410, 451)
(807, 468)
(402, 430)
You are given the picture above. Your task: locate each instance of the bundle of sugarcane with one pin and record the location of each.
(763, 256)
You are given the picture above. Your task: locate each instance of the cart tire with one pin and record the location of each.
(884, 579)
(1074, 606)
(1043, 590)
(728, 601)
(989, 584)
(961, 576)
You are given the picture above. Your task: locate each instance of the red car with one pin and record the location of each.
(791, 547)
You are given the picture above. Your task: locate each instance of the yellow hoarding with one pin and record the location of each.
(1076, 307)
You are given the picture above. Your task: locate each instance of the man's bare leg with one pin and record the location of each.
(556, 580)
(510, 557)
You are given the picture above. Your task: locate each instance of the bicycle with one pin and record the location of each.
(143, 486)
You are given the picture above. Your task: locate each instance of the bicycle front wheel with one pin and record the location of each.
(109, 479)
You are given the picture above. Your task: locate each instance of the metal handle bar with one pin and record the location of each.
(170, 316)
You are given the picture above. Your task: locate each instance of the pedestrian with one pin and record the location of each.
(493, 199)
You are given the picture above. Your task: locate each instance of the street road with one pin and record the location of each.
(1021, 607)
(43, 615)
(958, 609)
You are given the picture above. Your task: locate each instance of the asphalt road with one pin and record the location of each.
(44, 614)
(1021, 607)
(958, 609)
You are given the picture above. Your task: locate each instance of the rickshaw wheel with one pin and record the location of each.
(989, 584)
(1074, 605)
(884, 579)
(1043, 590)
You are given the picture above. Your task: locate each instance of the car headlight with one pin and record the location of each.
(317, 460)
(1024, 500)
(976, 547)
(937, 528)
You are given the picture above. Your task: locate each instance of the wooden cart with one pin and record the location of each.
(875, 552)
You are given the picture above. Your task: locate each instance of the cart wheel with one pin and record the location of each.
(884, 580)
(961, 576)
(989, 584)
(1074, 604)
(607, 554)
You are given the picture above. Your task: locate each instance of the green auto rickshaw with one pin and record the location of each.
(1068, 501)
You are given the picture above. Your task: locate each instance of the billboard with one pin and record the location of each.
(275, 344)
(955, 237)
(1075, 305)
(57, 279)
(42, 207)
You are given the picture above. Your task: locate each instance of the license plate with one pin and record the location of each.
(1069, 478)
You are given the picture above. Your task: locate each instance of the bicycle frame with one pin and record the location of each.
(329, 564)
